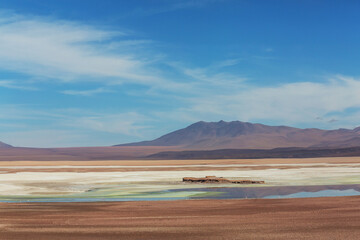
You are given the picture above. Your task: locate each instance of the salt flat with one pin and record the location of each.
(123, 179)
(57, 184)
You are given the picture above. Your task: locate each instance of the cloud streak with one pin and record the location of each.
(175, 5)
(14, 85)
(72, 52)
(87, 93)
(290, 103)
(70, 127)
(76, 57)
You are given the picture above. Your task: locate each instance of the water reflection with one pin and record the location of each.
(201, 193)
(279, 192)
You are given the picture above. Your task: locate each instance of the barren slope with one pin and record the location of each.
(243, 135)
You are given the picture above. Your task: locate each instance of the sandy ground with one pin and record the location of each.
(334, 160)
(316, 218)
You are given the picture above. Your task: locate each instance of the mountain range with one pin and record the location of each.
(4, 145)
(244, 135)
(211, 140)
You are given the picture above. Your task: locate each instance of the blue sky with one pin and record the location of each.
(95, 73)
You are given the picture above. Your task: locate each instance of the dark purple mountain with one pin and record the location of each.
(4, 145)
(244, 135)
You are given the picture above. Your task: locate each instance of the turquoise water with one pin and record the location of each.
(285, 191)
(323, 193)
(103, 195)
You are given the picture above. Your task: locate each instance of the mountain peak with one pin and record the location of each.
(357, 129)
(4, 145)
(241, 135)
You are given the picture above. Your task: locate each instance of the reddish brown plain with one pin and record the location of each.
(311, 218)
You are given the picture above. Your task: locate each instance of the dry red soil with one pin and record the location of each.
(144, 163)
(312, 218)
(79, 154)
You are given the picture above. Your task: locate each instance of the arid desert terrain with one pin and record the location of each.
(146, 199)
(179, 119)
(310, 218)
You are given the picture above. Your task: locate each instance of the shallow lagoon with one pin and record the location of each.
(101, 195)
(87, 184)
(283, 192)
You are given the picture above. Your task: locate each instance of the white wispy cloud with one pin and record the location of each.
(305, 103)
(23, 112)
(45, 138)
(220, 78)
(292, 103)
(171, 6)
(15, 85)
(72, 51)
(70, 127)
(89, 92)
(227, 63)
(129, 123)
(211, 77)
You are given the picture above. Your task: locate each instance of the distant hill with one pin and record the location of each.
(244, 135)
(4, 145)
(258, 153)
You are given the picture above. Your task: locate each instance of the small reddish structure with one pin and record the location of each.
(214, 179)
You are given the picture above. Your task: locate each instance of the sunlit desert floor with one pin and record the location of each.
(307, 218)
(119, 199)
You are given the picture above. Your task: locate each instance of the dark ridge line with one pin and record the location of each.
(258, 153)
